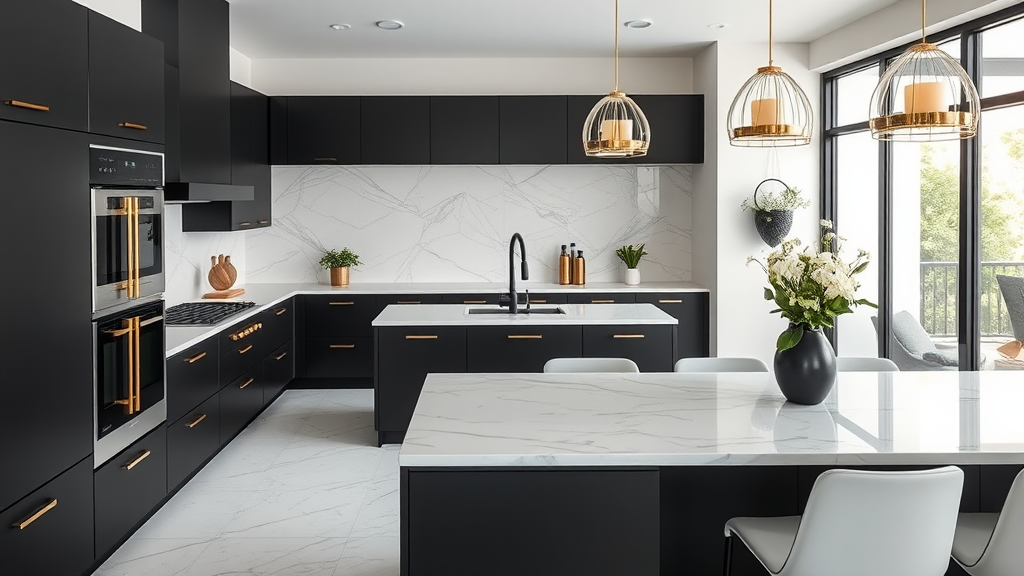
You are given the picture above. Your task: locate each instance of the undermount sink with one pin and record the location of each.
(521, 311)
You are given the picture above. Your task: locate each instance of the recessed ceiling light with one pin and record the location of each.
(638, 24)
(718, 26)
(389, 25)
(341, 26)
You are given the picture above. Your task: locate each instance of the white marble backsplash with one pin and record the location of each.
(453, 223)
(188, 257)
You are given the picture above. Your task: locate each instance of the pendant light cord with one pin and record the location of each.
(771, 54)
(924, 22)
(616, 45)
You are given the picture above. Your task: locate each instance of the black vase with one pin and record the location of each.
(773, 225)
(806, 372)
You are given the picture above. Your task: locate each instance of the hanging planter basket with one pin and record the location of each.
(772, 225)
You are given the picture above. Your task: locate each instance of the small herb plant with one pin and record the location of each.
(631, 256)
(788, 199)
(339, 258)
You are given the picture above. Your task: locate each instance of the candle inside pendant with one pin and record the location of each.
(764, 111)
(925, 97)
(616, 130)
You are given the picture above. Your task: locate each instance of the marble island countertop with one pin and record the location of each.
(573, 315)
(667, 419)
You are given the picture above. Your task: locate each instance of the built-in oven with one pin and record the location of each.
(129, 377)
(127, 221)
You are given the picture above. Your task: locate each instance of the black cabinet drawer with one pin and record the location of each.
(650, 346)
(341, 315)
(545, 298)
(405, 356)
(480, 298)
(340, 357)
(601, 298)
(520, 348)
(278, 322)
(191, 378)
(241, 348)
(192, 440)
(278, 371)
(128, 487)
(240, 401)
(389, 299)
(692, 311)
(50, 531)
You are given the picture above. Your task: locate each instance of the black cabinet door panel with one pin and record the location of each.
(342, 315)
(404, 358)
(394, 130)
(464, 130)
(44, 78)
(677, 128)
(547, 298)
(478, 298)
(192, 377)
(278, 371)
(529, 129)
(191, 440)
(601, 298)
(339, 357)
(239, 402)
(390, 299)
(323, 130)
(240, 350)
(692, 311)
(520, 348)
(128, 487)
(650, 346)
(278, 322)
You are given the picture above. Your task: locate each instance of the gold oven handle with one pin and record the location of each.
(24, 523)
(129, 208)
(138, 363)
(138, 252)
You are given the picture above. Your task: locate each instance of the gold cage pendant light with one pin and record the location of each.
(924, 96)
(616, 127)
(770, 109)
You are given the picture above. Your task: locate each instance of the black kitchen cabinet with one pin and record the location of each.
(692, 310)
(601, 298)
(341, 315)
(45, 77)
(278, 130)
(529, 129)
(389, 299)
(520, 348)
(339, 357)
(192, 377)
(192, 440)
(651, 346)
(548, 298)
(405, 356)
(394, 129)
(323, 129)
(676, 122)
(128, 488)
(479, 298)
(278, 371)
(337, 337)
(241, 348)
(278, 323)
(46, 349)
(126, 81)
(240, 401)
(464, 130)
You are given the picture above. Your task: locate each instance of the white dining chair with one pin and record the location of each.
(720, 365)
(867, 364)
(566, 365)
(860, 522)
(989, 544)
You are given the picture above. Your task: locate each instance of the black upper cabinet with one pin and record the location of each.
(677, 129)
(464, 130)
(46, 351)
(323, 129)
(126, 81)
(278, 130)
(394, 129)
(529, 129)
(44, 77)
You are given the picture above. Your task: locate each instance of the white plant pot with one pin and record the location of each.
(632, 276)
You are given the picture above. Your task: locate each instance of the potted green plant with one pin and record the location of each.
(631, 256)
(339, 262)
(773, 211)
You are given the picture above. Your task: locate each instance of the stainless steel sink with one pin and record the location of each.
(522, 310)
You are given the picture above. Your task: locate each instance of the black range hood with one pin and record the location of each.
(197, 87)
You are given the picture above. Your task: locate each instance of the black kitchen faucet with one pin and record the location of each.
(513, 298)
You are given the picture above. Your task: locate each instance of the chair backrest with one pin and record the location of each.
(867, 364)
(1012, 288)
(1004, 554)
(909, 332)
(720, 365)
(880, 523)
(591, 365)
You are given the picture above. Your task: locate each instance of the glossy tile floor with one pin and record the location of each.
(302, 490)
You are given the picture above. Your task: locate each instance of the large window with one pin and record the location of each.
(941, 219)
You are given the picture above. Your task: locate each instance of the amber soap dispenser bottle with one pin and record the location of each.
(563, 267)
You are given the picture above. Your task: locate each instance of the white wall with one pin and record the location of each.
(705, 185)
(127, 12)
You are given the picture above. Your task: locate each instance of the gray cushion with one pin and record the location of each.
(911, 335)
(943, 357)
(1012, 288)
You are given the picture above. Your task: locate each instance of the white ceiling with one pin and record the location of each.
(523, 28)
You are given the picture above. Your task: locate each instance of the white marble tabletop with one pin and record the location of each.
(668, 419)
(573, 314)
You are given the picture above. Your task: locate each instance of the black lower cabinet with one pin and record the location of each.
(339, 357)
(520, 348)
(278, 371)
(192, 377)
(601, 298)
(652, 347)
(128, 488)
(692, 310)
(192, 440)
(240, 401)
(50, 531)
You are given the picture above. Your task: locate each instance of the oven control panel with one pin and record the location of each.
(120, 167)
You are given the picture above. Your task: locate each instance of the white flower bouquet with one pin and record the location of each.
(809, 287)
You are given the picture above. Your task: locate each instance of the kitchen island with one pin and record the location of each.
(636, 474)
(411, 341)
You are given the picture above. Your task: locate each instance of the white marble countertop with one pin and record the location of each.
(574, 315)
(179, 338)
(668, 419)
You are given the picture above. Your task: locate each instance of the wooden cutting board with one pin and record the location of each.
(225, 293)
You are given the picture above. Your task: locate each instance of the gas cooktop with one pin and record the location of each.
(203, 313)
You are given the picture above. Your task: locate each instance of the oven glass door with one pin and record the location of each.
(112, 235)
(129, 365)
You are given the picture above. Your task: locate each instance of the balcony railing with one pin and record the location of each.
(939, 303)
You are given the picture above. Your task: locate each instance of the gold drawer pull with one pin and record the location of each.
(280, 311)
(245, 223)
(602, 301)
(474, 301)
(263, 221)
(628, 336)
(538, 301)
(196, 358)
(247, 382)
(408, 302)
(670, 301)
(135, 462)
(40, 108)
(525, 336)
(421, 336)
(283, 354)
(346, 346)
(340, 303)
(246, 349)
(325, 159)
(196, 422)
(24, 523)
(133, 126)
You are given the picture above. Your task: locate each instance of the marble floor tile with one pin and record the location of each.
(270, 557)
(155, 556)
(197, 512)
(372, 556)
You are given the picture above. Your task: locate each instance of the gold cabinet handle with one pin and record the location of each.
(340, 303)
(196, 358)
(538, 301)
(628, 336)
(421, 336)
(408, 302)
(474, 301)
(246, 349)
(245, 223)
(24, 523)
(138, 364)
(133, 126)
(196, 422)
(343, 346)
(280, 311)
(670, 301)
(283, 354)
(327, 159)
(247, 382)
(135, 462)
(525, 336)
(245, 332)
(28, 106)
(602, 301)
(263, 221)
